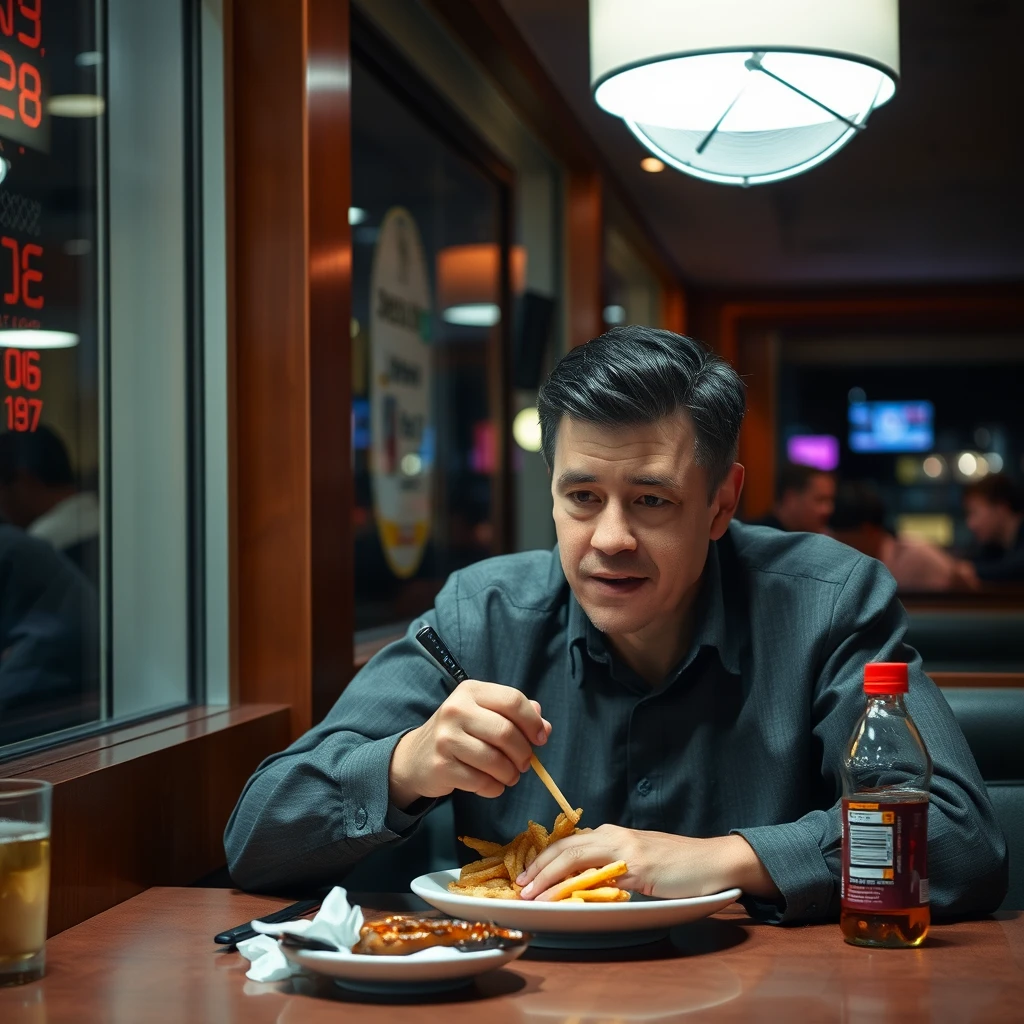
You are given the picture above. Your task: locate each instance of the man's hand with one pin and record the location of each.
(479, 740)
(660, 864)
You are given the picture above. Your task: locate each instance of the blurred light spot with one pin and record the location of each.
(995, 462)
(857, 395)
(933, 466)
(614, 314)
(411, 464)
(967, 464)
(652, 164)
(356, 215)
(526, 429)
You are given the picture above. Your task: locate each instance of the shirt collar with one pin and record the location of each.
(714, 627)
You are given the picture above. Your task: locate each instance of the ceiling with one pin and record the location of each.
(932, 192)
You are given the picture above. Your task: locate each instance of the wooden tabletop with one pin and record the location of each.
(152, 959)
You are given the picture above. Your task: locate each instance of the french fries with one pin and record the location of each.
(494, 875)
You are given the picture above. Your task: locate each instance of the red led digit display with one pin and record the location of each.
(23, 285)
(24, 121)
(23, 117)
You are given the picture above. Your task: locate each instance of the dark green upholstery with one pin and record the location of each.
(993, 722)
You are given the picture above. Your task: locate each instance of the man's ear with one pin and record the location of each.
(726, 499)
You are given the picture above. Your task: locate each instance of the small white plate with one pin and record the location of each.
(430, 970)
(641, 913)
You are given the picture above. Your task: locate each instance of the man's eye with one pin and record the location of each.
(581, 497)
(652, 501)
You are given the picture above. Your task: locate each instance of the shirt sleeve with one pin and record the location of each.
(967, 857)
(317, 808)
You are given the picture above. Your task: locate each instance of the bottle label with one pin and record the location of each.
(885, 854)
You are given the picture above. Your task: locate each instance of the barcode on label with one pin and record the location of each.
(923, 897)
(871, 845)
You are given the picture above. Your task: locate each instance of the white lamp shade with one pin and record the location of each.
(743, 91)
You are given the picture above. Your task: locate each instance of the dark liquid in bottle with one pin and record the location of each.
(895, 928)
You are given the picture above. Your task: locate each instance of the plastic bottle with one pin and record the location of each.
(886, 775)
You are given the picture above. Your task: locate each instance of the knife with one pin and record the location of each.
(245, 931)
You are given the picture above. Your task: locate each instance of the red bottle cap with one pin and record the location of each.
(885, 677)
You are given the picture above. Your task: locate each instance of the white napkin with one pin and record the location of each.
(336, 922)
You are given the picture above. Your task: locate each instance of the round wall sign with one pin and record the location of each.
(400, 422)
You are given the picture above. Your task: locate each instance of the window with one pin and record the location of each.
(99, 548)
(430, 312)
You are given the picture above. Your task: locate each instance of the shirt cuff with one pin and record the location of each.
(367, 812)
(791, 854)
(403, 823)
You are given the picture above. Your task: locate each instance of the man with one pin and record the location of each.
(693, 682)
(859, 520)
(38, 493)
(804, 499)
(994, 507)
(49, 640)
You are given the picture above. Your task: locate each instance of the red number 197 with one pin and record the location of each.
(23, 413)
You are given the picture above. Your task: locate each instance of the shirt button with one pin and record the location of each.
(643, 787)
(361, 818)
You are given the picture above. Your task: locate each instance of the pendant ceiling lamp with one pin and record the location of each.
(744, 91)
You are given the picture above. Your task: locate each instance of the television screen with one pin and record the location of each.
(818, 450)
(891, 426)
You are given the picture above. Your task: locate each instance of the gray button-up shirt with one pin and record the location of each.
(746, 735)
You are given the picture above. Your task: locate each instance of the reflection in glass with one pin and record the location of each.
(427, 299)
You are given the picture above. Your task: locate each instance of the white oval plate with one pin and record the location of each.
(435, 968)
(641, 913)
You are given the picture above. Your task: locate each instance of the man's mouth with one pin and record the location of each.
(618, 584)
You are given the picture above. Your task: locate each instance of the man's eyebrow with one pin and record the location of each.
(571, 477)
(665, 482)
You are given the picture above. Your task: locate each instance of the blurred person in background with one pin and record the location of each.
(804, 499)
(859, 520)
(39, 494)
(49, 631)
(994, 509)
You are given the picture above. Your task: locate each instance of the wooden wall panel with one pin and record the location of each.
(147, 805)
(759, 358)
(291, 277)
(673, 307)
(584, 255)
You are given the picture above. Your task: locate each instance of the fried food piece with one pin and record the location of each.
(482, 846)
(483, 874)
(479, 865)
(602, 894)
(589, 879)
(502, 891)
(564, 826)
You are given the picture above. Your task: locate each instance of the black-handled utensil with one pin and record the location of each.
(245, 931)
(438, 650)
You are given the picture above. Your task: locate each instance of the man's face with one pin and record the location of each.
(985, 520)
(810, 509)
(632, 517)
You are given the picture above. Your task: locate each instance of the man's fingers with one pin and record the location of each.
(560, 860)
(498, 732)
(474, 752)
(512, 704)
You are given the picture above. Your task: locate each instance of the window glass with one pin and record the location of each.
(426, 223)
(95, 339)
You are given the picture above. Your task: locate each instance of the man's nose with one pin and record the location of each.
(613, 532)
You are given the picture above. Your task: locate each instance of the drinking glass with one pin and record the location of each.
(24, 878)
